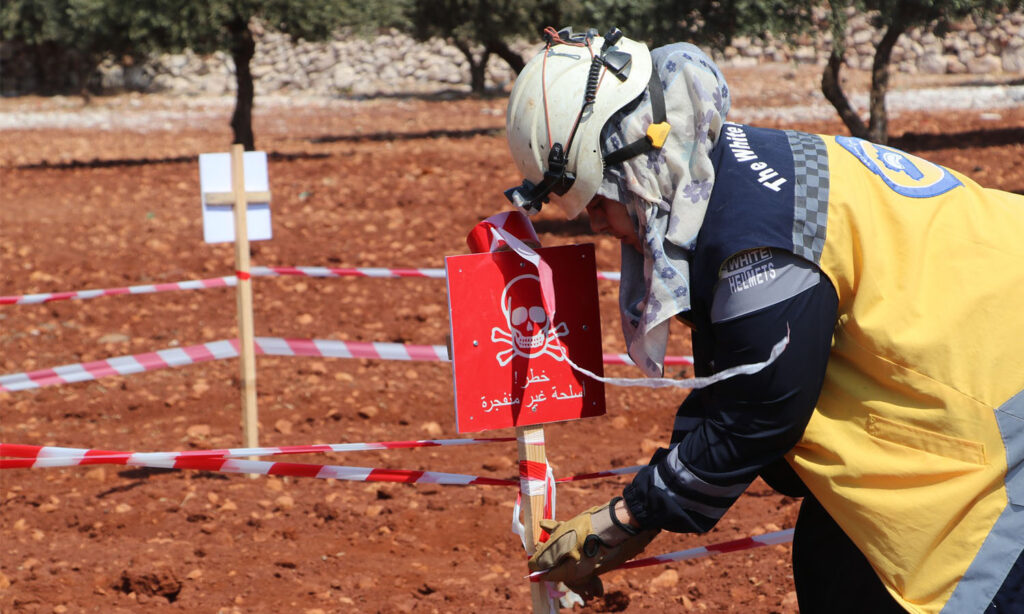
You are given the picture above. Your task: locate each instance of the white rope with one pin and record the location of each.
(528, 254)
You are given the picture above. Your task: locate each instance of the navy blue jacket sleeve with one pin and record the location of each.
(729, 432)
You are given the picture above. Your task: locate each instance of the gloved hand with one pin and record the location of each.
(586, 546)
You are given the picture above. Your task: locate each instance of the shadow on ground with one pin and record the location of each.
(408, 136)
(121, 162)
(913, 141)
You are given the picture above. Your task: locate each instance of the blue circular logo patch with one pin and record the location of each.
(903, 173)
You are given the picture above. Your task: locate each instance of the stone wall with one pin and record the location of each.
(971, 47)
(391, 64)
(395, 64)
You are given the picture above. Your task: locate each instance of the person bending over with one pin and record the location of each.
(896, 408)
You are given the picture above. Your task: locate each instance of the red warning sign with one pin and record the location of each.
(510, 357)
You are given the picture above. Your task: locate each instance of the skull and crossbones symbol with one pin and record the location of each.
(530, 332)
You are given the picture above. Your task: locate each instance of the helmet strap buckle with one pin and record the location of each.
(531, 197)
(617, 63)
(559, 179)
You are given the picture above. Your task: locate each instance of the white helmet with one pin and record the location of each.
(558, 106)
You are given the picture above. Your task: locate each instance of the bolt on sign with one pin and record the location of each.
(509, 353)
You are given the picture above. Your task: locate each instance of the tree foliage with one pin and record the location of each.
(226, 25)
(369, 18)
(76, 33)
(96, 29)
(480, 28)
(892, 18)
(715, 23)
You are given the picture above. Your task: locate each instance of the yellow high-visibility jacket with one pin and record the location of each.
(916, 445)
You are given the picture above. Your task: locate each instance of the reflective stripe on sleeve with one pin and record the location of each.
(759, 278)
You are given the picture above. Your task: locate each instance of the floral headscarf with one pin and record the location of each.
(666, 192)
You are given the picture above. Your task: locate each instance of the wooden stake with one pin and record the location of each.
(246, 341)
(531, 448)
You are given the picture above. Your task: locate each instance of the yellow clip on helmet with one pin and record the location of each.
(558, 106)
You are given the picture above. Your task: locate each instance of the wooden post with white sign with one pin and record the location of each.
(213, 171)
(246, 334)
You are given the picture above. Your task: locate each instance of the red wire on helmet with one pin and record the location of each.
(552, 37)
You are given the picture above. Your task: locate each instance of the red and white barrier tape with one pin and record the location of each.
(319, 271)
(196, 284)
(120, 365)
(217, 350)
(220, 350)
(519, 529)
(37, 457)
(533, 475)
(322, 271)
(603, 474)
(232, 280)
(745, 543)
(44, 457)
(302, 470)
(30, 456)
(233, 465)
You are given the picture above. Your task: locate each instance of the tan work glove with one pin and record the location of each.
(586, 546)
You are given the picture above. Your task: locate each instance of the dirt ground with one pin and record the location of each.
(382, 183)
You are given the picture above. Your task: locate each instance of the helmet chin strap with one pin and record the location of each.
(657, 132)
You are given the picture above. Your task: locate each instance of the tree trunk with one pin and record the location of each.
(833, 92)
(878, 128)
(478, 74)
(502, 50)
(83, 67)
(477, 68)
(830, 84)
(243, 48)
